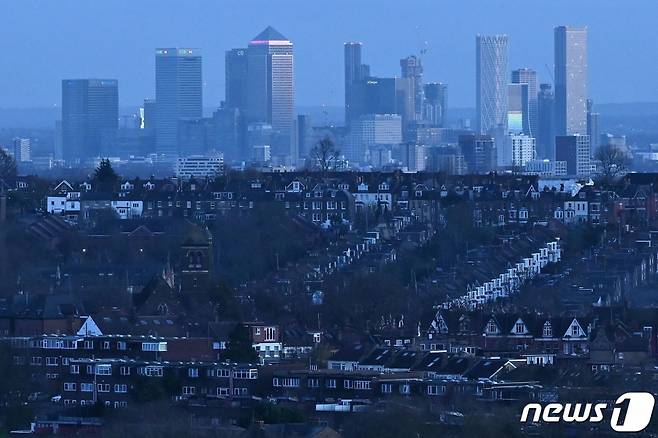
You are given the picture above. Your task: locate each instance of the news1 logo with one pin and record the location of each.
(631, 412)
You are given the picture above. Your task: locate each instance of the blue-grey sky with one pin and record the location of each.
(44, 41)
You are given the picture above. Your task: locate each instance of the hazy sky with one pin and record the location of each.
(44, 41)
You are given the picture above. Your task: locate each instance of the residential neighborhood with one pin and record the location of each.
(520, 288)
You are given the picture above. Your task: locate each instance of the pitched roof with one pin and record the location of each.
(269, 34)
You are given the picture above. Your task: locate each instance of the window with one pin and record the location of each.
(189, 390)
(290, 382)
(222, 372)
(387, 388)
(121, 345)
(250, 374)
(65, 361)
(103, 387)
(121, 388)
(193, 372)
(87, 387)
(362, 384)
(125, 371)
(104, 370)
(223, 391)
(75, 369)
(435, 390)
(269, 333)
(547, 331)
(89, 345)
(154, 346)
(331, 383)
(90, 369)
(239, 391)
(52, 361)
(313, 382)
(151, 371)
(69, 387)
(106, 345)
(36, 360)
(405, 389)
(519, 328)
(348, 384)
(575, 330)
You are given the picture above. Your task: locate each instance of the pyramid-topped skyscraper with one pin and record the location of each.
(270, 88)
(269, 34)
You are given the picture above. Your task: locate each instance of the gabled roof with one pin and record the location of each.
(89, 328)
(269, 34)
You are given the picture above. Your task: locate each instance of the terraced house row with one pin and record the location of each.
(327, 199)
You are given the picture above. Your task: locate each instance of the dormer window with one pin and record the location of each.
(442, 327)
(492, 327)
(519, 328)
(547, 330)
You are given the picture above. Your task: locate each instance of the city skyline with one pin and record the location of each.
(447, 56)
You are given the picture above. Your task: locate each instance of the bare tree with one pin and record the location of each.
(7, 166)
(614, 161)
(325, 155)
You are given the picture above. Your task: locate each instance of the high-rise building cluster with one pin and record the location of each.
(384, 115)
(527, 123)
(390, 122)
(256, 115)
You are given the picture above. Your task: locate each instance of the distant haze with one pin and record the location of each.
(45, 41)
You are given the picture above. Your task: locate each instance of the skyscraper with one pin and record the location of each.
(575, 150)
(22, 149)
(372, 130)
(491, 82)
(517, 108)
(435, 106)
(479, 152)
(270, 88)
(570, 80)
(235, 73)
(411, 67)
(303, 136)
(521, 149)
(593, 126)
(545, 125)
(90, 117)
(528, 76)
(375, 95)
(354, 73)
(178, 95)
